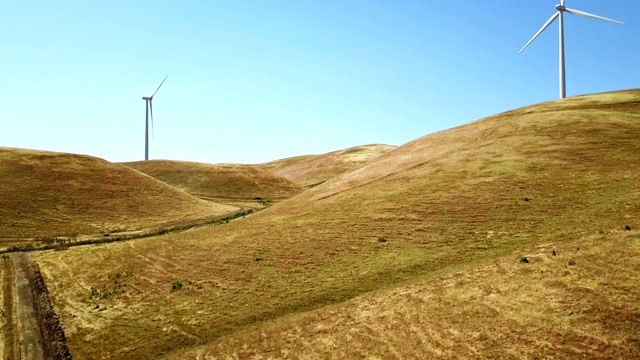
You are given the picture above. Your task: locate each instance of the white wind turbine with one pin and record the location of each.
(149, 110)
(559, 14)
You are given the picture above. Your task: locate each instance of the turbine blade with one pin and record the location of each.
(591, 16)
(561, 2)
(543, 28)
(145, 90)
(153, 135)
(165, 78)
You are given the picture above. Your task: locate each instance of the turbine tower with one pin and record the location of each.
(149, 111)
(561, 9)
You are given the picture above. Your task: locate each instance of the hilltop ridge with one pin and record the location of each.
(55, 194)
(312, 170)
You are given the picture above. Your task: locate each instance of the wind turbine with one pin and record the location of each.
(561, 9)
(149, 111)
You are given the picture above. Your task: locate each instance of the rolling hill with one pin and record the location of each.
(473, 200)
(312, 170)
(227, 183)
(44, 194)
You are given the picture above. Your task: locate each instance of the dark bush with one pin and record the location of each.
(177, 285)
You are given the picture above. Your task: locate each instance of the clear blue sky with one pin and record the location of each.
(254, 81)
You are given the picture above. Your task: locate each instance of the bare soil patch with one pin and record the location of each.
(36, 324)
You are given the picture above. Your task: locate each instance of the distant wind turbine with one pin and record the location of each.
(149, 111)
(559, 14)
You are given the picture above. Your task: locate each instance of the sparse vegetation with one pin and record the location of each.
(115, 288)
(176, 285)
(106, 292)
(314, 184)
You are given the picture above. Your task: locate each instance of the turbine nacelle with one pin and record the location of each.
(560, 8)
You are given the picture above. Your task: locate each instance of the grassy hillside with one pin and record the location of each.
(54, 194)
(311, 170)
(229, 183)
(576, 299)
(553, 173)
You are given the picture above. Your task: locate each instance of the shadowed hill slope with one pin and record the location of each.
(549, 173)
(310, 170)
(55, 194)
(221, 182)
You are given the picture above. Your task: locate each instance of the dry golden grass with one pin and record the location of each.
(550, 173)
(228, 183)
(54, 194)
(311, 170)
(574, 299)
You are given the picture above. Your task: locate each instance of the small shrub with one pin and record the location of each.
(554, 253)
(314, 185)
(120, 274)
(105, 293)
(524, 260)
(627, 228)
(571, 263)
(176, 285)
(382, 240)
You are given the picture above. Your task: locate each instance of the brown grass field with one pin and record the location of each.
(53, 194)
(580, 303)
(428, 235)
(312, 170)
(234, 184)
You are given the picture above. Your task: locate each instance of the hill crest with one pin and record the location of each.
(312, 170)
(56, 194)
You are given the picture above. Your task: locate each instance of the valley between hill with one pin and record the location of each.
(232, 184)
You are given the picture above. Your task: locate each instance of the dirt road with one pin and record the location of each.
(31, 328)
